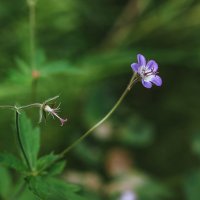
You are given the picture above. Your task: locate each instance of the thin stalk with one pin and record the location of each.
(7, 106)
(132, 81)
(21, 107)
(32, 27)
(32, 32)
(30, 106)
(20, 142)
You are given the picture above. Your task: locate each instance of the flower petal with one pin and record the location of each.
(146, 84)
(135, 67)
(157, 80)
(141, 60)
(152, 65)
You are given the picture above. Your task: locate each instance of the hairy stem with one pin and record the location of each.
(20, 142)
(133, 79)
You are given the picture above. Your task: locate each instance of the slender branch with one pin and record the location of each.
(30, 105)
(32, 43)
(133, 79)
(32, 32)
(7, 106)
(20, 142)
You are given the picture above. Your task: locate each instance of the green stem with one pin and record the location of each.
(20, 142)
(21, 107)
(30, 106)
(8, 106)
(133, 79)
(32, 32)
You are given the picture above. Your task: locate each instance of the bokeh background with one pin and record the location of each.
(150, 147)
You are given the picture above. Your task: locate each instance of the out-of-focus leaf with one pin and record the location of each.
(40, 58)
(52, 189)
(5, 183)
(192, 185)
(59, 67)
(22, 74)
(30, 137)
(9, 160)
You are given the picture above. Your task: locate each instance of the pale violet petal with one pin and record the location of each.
(152, 65)
(141, 60)
(146, 84)
(135, 67)
(149, 78)
(157, 80)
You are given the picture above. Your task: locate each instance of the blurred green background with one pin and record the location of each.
(151, 144)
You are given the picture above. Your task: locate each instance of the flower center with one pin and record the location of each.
(145, 72)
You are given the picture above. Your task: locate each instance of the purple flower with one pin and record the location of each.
(148, 71)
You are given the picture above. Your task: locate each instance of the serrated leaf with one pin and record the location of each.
(46, 160)
(57, 168)
(52, 189)
(5, 182)
(9, 160)
(27, 195)
(30, 138)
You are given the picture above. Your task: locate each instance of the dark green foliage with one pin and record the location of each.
(12, 162)
(57, 168)
(5, 182)
(44, 187)
(44, 161)
(53, 189)
(30, 138)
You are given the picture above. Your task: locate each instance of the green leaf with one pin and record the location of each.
(57, 168)
(30, 138)
(52, 189)
(5, 182)
(27, 195)
(46, 160)
(9, 160)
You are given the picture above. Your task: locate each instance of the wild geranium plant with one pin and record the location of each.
(39, 173)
